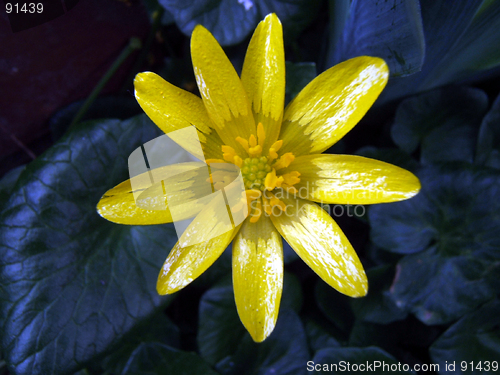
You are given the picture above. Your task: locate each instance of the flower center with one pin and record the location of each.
(260, 174)
(254, 172)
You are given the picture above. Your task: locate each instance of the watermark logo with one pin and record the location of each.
(169, 173)
(24, 15)
(164, 176)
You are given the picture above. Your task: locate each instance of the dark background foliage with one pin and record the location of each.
(77, 293)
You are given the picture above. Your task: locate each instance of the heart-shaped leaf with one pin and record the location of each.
(73, 283)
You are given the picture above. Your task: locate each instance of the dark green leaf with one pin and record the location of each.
(75, 284)
(471, 344)
(231, 21)
(449, 142)
(378, 306)
(103, 107)
(366, 334)
(335, 306)
(488, 143)
(455, 220)
(289, 254)
(439, 289)
(292, 293)
(474, 51)
(318, 338)
(220, 328)
(217, 271)
(354, 361)
(158, 359)
(444, 23)
(391, 30)
(283, 352)
(298, 75)
(156, 329)
(429, 117)
(401, 226)
(7, 184)
(338, 12)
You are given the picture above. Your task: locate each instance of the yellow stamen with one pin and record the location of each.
(272, 180)
(252, 141)
(243, 143)
(253, 194)
(284, 161)
(228, 149)
(277, 145)
(273, 150)
(291, 178)
(261, 134)
(238, 161)
(228, 153)
(257, 212)
(255, 151)
(275, 202)
(272, 154)
(267, 207)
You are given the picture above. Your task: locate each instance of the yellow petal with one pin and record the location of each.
(263, 76)
(172, 108)
(331, 104)
(210, 235)
(142, 199)
(350, 179)
(322, 245)
(258, 276)
(221, 89)
(118, 205)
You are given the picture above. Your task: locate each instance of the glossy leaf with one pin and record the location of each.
(473, 51)
(220, 328)
(283, 352)
(318, 337)
(378, 306)
(444, 23)
(232, 21)
(222, 337)
(472, 343)
(298, 75)
(103, 107)
(391, 30)
(439, 116)
(335, 306)
(157, 359)
(75, 284)
(452, 227)
(158, 328)
(7, 184)
(488, 142)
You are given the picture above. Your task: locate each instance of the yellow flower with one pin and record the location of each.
(242, 121)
